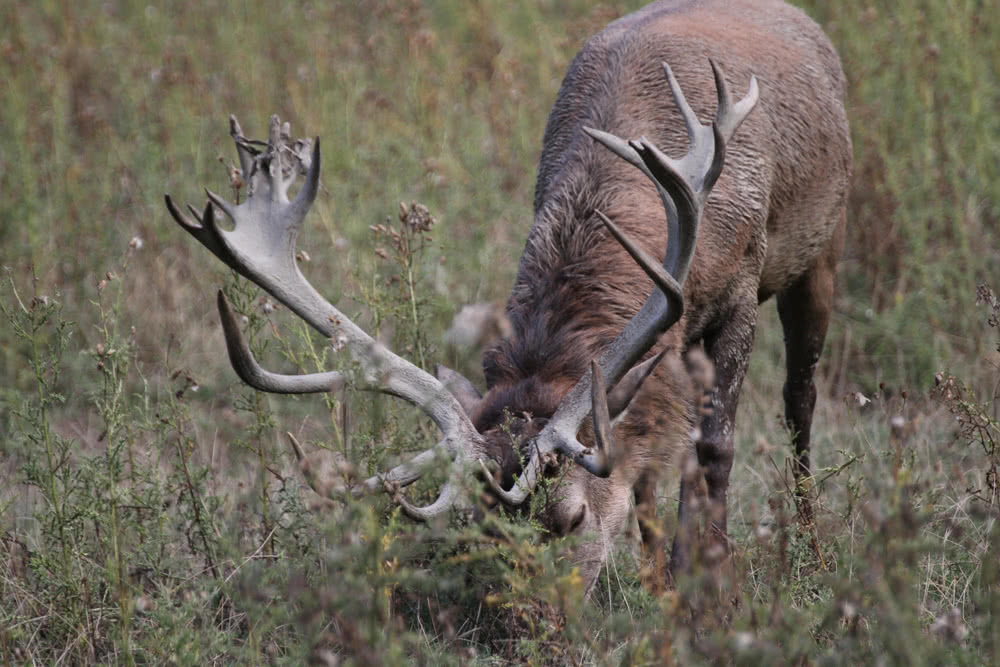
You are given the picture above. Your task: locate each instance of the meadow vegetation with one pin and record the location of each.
(151, 510)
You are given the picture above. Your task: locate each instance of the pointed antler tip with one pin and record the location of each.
(296, 447)
(178, 215)
(274, 134)
(213, 198)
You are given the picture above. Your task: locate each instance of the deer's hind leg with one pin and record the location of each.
(804, 308)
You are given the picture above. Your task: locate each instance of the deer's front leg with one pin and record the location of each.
(729, 350)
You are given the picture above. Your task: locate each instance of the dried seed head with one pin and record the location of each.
(235, 177)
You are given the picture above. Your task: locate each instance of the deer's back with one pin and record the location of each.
(785, 174)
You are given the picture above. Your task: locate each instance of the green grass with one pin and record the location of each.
(150, 511)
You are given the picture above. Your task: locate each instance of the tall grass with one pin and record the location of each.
(151, 510)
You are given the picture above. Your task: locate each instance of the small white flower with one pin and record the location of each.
(862, 399)
(135, 243)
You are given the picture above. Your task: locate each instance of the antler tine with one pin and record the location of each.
(602, 418)
(253, 374)
(393, 481)
(729, 116)
(659, 275)
(307, 195)
(687, 113)
(243, 149)
(524, 485)
(623, 392)
(279, 136)
(683, 186)
(622, 149)
(205, 230)
(450, 493)
(261, 247)
(445, 501)
(402, 475)
(392, 484)
(223, 205)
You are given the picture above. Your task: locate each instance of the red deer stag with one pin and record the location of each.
(590, 308)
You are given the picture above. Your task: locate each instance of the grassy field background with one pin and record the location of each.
(150, 509)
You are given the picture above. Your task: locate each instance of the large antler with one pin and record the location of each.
(683, 186)
(261, 247)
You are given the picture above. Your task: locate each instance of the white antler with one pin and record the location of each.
(261, 247)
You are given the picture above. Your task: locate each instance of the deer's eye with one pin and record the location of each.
(577, 519)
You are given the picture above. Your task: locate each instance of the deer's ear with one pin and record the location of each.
(460, 387)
